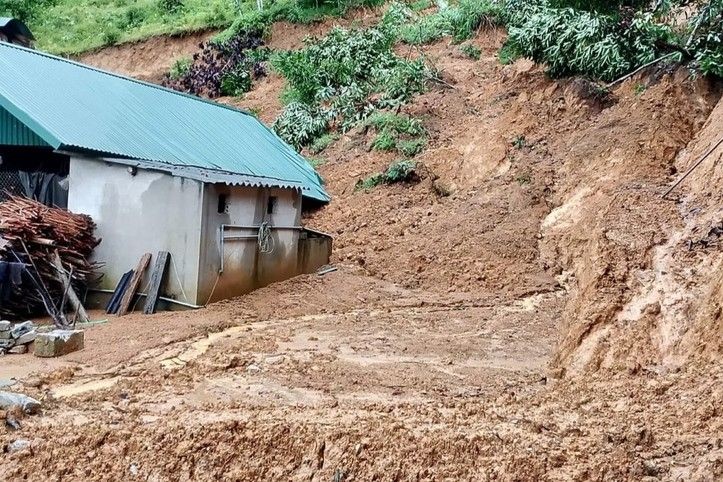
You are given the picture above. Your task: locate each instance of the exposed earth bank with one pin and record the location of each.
(533, 309)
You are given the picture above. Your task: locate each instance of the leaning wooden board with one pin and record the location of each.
(114, 302)
(156, 279)
(133, 284)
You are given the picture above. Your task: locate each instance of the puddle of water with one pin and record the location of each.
(84, 387)
(200, 347)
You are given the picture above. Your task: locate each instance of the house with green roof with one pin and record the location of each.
(159, 170)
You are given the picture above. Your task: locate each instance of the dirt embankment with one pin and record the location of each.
(538, 234)
(148, 60)
(648, 275)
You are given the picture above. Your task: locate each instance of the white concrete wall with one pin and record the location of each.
(145, 213)
(245, 269)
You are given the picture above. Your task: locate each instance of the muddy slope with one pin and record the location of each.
(538, 235)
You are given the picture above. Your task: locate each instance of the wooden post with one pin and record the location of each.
(72, 297)
(156, 279)
(133, 285)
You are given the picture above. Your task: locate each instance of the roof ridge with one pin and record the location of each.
(127, 78)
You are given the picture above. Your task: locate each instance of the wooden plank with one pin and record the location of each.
(67, 286)
(133, 284)
(120, 289)
(156, 279)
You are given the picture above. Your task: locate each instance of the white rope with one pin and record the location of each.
(178, 279)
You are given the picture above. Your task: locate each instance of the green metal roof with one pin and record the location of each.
(15, 133)
(76, 108)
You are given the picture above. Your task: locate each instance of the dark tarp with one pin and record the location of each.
(47, 188)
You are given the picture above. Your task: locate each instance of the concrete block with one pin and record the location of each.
(5, 335)
(58, 343)
(5, 325)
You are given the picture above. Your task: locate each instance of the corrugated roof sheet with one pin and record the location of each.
(74, 107)
(15, 133)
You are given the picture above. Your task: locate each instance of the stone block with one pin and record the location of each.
(19, 350)
(26, 338)
(58, 343)
(5, 335)
(21, 328)
(5, 325)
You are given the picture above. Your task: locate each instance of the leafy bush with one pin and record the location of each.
(347, 75)
(574, 42)
(226, 68)
(460, 21)
(321, 143)
(706, 40)
(397, 172)
(300, 124)
(471, 51)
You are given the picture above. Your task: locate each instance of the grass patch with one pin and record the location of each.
(460, 21)
(74, 26)
(402, 133)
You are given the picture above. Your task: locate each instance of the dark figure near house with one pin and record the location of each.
(15, 32)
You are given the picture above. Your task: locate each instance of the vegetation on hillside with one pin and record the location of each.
(339, 80)
(601, 39)
(75, 26)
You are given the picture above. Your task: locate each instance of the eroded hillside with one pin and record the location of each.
(531, 309)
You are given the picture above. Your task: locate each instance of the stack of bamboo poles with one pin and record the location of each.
(33, 233)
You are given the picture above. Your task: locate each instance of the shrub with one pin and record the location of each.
(397, 172)
(300, 124)
(180, 68)
(222, 68)
(397, 132)
(572, 42)
(24, 10)
(460, 22)
(347, 75)
(321, 143)
(170, 6)
(471, 51)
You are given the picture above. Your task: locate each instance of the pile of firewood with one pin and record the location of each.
(38, 235)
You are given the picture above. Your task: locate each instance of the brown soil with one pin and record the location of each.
(147, 60)
(531, 310)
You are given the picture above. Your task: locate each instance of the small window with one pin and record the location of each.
(271, 206)
(222, 204)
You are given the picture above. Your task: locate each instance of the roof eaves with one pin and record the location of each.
(50, 138)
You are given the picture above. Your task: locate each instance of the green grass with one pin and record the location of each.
(70, 27)
(75, 26)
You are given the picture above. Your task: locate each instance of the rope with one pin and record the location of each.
(180, 284)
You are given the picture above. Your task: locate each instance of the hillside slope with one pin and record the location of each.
(531, 309)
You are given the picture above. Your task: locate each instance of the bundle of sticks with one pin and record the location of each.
(43, 237)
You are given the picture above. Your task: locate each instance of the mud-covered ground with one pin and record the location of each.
(531, 310)
(349, 378)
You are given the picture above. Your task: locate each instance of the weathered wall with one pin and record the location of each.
(145, 213)
(245, 269)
